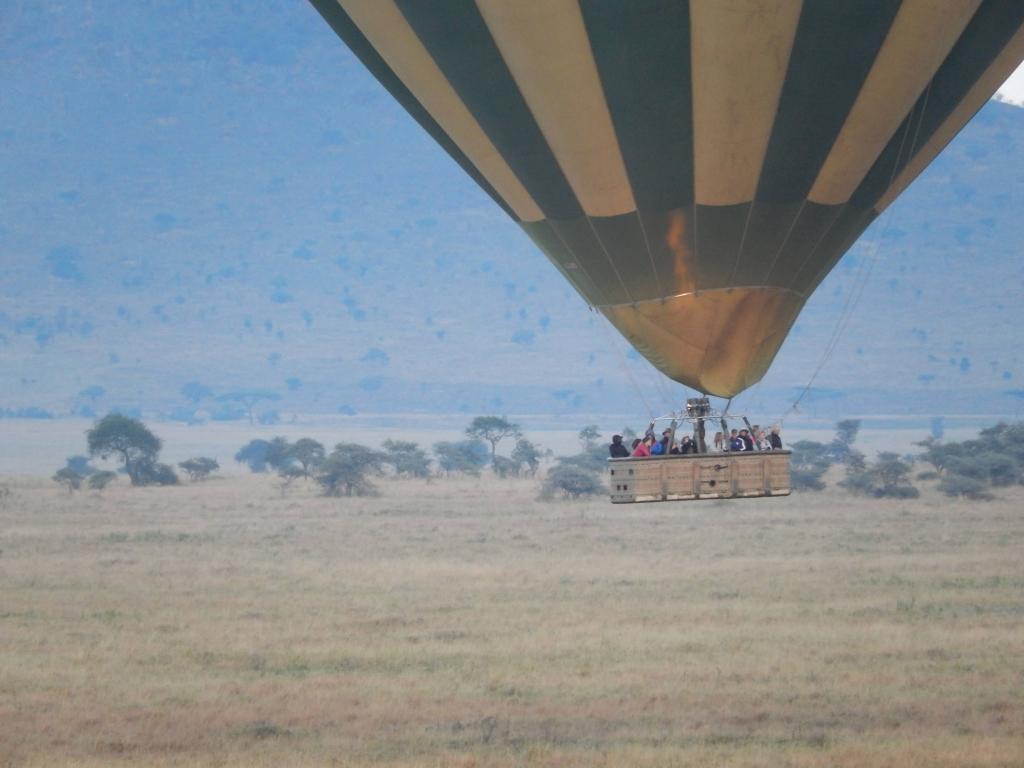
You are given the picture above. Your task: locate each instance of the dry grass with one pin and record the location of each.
(463, 624)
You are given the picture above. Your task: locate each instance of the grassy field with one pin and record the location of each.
(463, 623)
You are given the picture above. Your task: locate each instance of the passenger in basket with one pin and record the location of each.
(644, 449)
(617, 450)
(719, 441)
(735, 441)
(748, 441)
(687, 445)
(661, 447)
(774, 439)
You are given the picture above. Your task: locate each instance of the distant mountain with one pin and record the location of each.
(207, 199)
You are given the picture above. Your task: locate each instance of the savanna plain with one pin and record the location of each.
(464, 623)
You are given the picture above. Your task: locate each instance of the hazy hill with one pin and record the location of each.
(218, 193)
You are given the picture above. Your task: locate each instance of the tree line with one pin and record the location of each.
(971, 469)
(348, 468)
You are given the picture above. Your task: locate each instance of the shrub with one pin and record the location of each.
(987, 466)
(81, 465)
(968, 468)
(892, 476)
(101, 479)
(594, 459)
(859, 482)
(887, 477)
(504, 467)
(306, 451)
(1002, 469)
(806, 479)
(153, 473)
(291, 472)
(571, 482)
(465, 456)
(344, 472)
(808, 464)
(1007, 439)
(528, 454)
(965, 487)
(939, 454)
(287, 476)
(254, 455)
(68, 478)
(199, 468)
(898, 492)
(279, 453)
(406, 458)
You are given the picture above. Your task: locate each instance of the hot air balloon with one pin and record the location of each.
(694, 168)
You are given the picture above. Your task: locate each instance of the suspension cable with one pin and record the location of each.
(664, 385)
(868, 264)
(852, 300)
(622, 360)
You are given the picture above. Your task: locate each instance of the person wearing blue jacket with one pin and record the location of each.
(661, 447)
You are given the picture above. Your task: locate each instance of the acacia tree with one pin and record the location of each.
(572, 482)
(846, 435)
(68, 478)
(504, 467)
(344, 471)
(128, 439)
(887, 477)
(527, 453)
(101, 479)
(286, 476)
(589, 436)
(893, 476)
(248, 398)
(407, 458)
(809, 462)
(200, 467)
(493, 429)
(466, 456)
(279, 453)
(80, 465)
(308, 452)
(254, 455)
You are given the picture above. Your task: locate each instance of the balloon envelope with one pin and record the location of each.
(694, 169)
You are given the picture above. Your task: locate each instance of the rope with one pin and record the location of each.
(622, 360)
(866, 266)
(660, 380)
(860, 281)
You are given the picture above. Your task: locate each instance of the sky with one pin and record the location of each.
(1013, 88)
